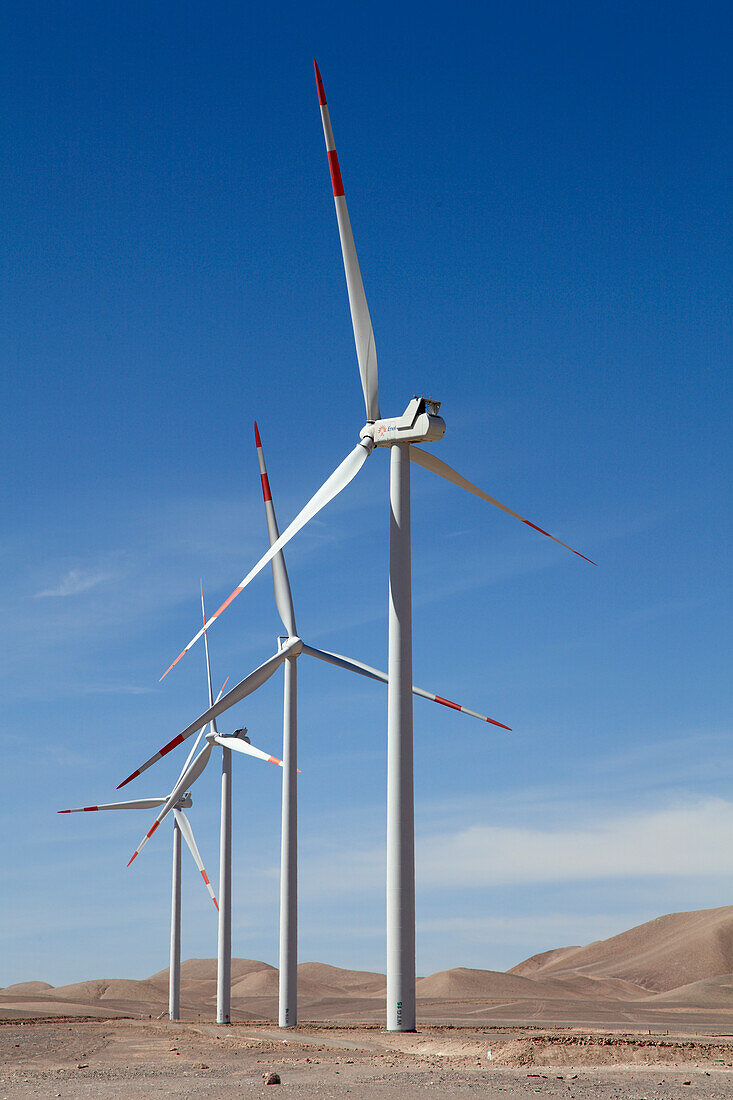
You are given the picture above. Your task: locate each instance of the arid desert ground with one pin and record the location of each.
(648, 1013)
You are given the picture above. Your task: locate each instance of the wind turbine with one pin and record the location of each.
(192, 770)
(289, 650)
(420, 423)
(239, 742)
(181, 827)
(288, 969)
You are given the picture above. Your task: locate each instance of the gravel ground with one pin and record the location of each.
(125, 1058)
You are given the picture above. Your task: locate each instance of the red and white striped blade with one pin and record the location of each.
(137, 804)
(144, 841)
(436, 465)
(375, 674)
(187, 832)
(239, 745)
(182, 785)
(280, 582)
(366, 352)
(344, 473)
(244, 687)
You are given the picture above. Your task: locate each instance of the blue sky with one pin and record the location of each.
(540, 200)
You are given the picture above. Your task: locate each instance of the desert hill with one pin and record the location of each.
(681, 963)
(27, 987)
(352, 981)
(708, 993)
(663, 954)
(317, 980)
(464, 984)
(530, 966)
(204, 970)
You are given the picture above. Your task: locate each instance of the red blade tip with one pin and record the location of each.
(319, 82)
(258, 441)
(172, 666)
(134, 856)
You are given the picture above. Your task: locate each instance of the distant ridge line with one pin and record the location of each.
(680, 959)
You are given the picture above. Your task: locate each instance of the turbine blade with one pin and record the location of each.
(344, 473)
(187, 832)
(281, 584)
(436, 465)
(374, 674)
(138, 804)
(239, 745)
(183, 783)
(197, 742)
(208, 663)
(144, 841)
(244, 687)
(361, 322)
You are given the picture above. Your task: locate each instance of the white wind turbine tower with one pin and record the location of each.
(181, 827)
(192, 769)
(288, 652)
(288, 971)
(419, 423)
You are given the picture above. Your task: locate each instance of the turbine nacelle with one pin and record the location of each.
(217, 738)
(419, 423)
(185, 802)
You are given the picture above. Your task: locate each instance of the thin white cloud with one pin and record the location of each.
(681, 841)
(75, 582)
